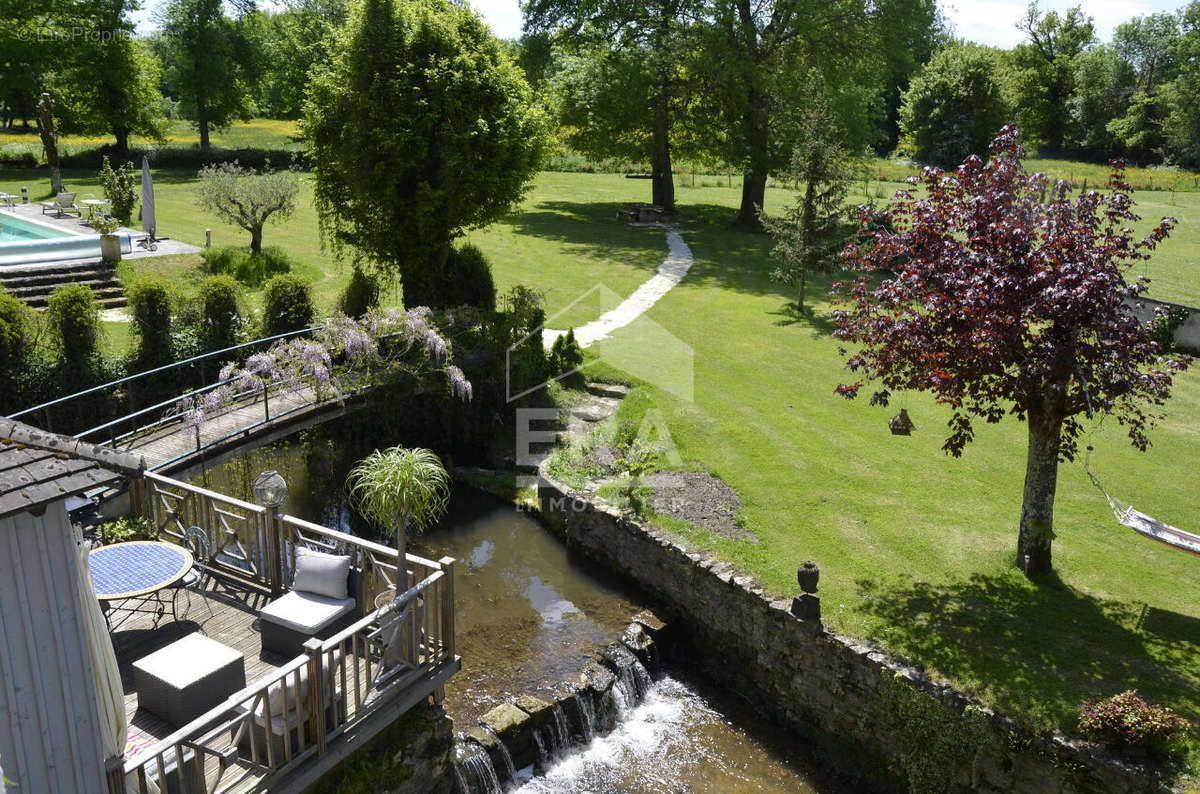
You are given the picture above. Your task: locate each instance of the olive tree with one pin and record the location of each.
(247, 198)
(420, 127)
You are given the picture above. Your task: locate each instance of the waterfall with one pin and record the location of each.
(642, 679)
(476, 775)
(626, 689)
(562, 734)
(510, 769)
(462, 787)
(543, 757)
(587, 714)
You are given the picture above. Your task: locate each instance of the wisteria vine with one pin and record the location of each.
(340, 356)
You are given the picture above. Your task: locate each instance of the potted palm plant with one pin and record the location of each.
(399, 489)
(110, 242)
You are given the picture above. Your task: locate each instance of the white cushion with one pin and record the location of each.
(320, 573)
(296, 699)
(305, 612)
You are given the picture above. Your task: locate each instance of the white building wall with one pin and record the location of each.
(49, 728)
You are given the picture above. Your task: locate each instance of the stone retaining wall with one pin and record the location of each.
(414, 755)
(1186, 336)
(832, 690)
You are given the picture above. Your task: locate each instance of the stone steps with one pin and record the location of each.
(34, 283)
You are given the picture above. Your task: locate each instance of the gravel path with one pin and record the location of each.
(669, 273)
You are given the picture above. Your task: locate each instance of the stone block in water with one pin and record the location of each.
(514, 728)
(617, 656)
(506, 721)
(539, 710)
(652, 623)
(638, 640)
(597, 677)
(485, 738)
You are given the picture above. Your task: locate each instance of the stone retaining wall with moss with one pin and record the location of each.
(864, 714)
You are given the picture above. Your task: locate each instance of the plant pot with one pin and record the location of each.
(110, 247)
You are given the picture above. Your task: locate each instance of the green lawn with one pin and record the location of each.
(916, 547)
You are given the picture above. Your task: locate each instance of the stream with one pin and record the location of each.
(528, 615)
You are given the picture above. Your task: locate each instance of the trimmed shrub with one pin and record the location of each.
(565, 353)
(220, 315)
(287, 305)
(469, 279)
(18, 329)
(361, 294)
(464, 279)
(1130, 720)
(120, 188)
(247, 267)
(150, 304)
(74, 321)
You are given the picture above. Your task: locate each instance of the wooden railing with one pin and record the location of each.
(257, 546)
(279, 722)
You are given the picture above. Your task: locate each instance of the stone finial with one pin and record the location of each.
(807, 605)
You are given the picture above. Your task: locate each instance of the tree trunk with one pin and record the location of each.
(256, 240)
(663, 188)
(121, 133)
(754, 183)
(49, 134)
(202, 123)
(1041, 479)
(800, 292)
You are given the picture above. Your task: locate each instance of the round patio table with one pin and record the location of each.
(138, 571)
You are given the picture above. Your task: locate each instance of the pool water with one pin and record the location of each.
(18, 229)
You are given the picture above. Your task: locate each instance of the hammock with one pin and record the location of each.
(1143, 524)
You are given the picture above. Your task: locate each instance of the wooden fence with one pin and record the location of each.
(398, 651)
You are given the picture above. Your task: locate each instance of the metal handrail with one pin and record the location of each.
(158, 370)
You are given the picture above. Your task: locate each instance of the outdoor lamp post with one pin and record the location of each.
(270, 489)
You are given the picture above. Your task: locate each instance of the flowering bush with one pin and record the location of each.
(1128, 719)
(340, 355)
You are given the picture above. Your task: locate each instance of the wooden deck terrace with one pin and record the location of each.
(234, 623)
(297, 718)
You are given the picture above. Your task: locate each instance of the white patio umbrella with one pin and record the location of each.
(106, 676)
(148, 219)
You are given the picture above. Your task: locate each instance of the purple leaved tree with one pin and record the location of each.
(1008, 295)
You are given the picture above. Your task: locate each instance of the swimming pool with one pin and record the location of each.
(13, 228)
(25, 241)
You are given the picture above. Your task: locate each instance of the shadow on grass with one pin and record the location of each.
(821, 324)
(1039, 650)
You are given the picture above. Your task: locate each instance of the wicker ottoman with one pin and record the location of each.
(188, 677)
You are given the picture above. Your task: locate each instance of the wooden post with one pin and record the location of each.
(447, 564)
(316, 692)
(274, 550)
(114, 772)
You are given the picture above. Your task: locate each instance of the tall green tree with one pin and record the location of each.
(113, 87)
(210, 66)
(814, 228)
(1103, 84)
(954, 105)
(1181, 129)
(292, 41)
(419, 129)
(1044, 72)
(626, 83)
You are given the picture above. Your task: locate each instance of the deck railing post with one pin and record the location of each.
(316, 692)
(447, 585)
(274, 549)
